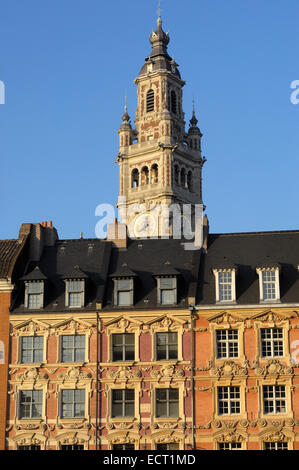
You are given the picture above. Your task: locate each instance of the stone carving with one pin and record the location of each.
(167, 371)
(74, 373)
(31, 375)
(228, 368)
(124, 373)
(274, 367)
(277, 436)
(230, 437)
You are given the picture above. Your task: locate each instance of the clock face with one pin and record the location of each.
(145, 225)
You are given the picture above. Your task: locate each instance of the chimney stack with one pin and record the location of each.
(117, 233)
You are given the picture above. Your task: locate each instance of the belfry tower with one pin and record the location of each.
(160, 164)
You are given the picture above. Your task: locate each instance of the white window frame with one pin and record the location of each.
(216, 273)
(81, 292)
(41, 294)
(118, 289)
(260, 272)
(174, 289)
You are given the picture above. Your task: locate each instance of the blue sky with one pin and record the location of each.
(67, 66)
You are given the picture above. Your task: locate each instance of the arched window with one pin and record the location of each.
(173, 102)
(176, 174)
(183, 178)
(154, 174)
(189, 180)
(135, 178)
(150, 101)
(144, 176)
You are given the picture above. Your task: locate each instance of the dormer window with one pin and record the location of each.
(123, 286)
(167, 290)
(34, 294)
(269, 284)
(123, 292)
(74, 293)
(34, 288)
(225, 285)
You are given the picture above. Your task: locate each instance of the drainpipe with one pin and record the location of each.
(192, 315)
(97, 382)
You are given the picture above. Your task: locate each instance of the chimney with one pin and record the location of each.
(117, 233)
(41, 235)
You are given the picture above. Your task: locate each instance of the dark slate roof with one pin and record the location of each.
(147, 259)
(35, 275)
(159, 56)
(9, 251)
(246, 252)
(59, 262)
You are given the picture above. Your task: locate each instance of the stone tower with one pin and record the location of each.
(160, 164)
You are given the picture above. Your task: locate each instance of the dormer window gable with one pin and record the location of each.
(124, 281)
(75, 287)
(225, 284)
(269, 285)
(34, 289)
(167, 285)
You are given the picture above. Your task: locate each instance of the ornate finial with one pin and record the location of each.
(193, 120)
(159, 20)
(126, 116)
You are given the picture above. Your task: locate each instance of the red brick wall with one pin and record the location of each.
(4, 337)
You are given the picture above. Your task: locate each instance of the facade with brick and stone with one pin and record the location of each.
(143, 341)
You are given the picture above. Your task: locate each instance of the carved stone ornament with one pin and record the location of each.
(123, 324)
(274, 367)
(228, 368)
(124, 373)
(167, 371)
(31, 375)
(74, 373)
(230, 437)
(32, 328)
(277, 436)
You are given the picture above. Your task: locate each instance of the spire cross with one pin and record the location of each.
(159, 9)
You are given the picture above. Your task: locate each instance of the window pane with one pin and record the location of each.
(167, 297)
(123, 298)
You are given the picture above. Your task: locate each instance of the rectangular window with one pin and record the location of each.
(34, 292)
(166, 346)
(227, 343)
(123, 292)
(167, 290)
(167, 402)
(73, 348)
(269, 285)
(274, 397)
(123, 447)
(225, 285)
(225, 280)
(72, 447)
(74, 293)
(230, 446)
(32, 349)
(275, 445)
(229, 400)
(123, 403)
(123, 347)
(30, 447)
(272, 342)
(31, 402)
(72, 403)
(168, 446)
